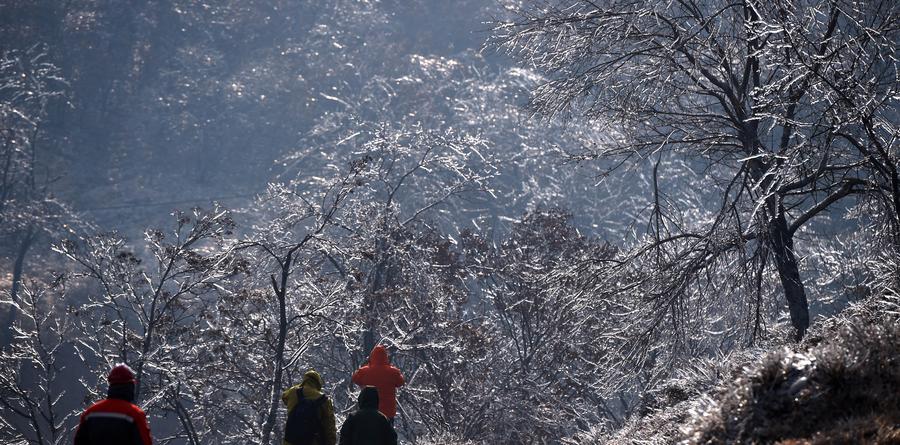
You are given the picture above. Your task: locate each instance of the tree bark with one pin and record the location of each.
(19, 266)
(781, 244)
(281, 296)
(379, 281)
(18, 271)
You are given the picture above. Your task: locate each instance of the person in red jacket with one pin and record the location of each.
(116, 419)
(386, 378)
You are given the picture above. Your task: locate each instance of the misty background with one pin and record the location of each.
(400, 169)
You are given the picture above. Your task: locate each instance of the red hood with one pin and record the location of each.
(379, 356)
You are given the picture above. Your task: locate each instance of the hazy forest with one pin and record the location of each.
(569, 221)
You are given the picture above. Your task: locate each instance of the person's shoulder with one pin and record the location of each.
(290, 396)
(105, 405)
(353, 418)
(116, 406)
(361, 375)
(136, 410)
(93, 407)
(370, 412)
(127, 407)
(324, 401)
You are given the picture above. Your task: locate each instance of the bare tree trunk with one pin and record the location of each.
(378, 283)
(781, 244)
(152, 320)
(184, 417)
(281, 295)
(19, 267)
(895, 200)
(18, 271)
(368, 341)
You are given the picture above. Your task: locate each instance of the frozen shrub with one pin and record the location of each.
(842, 391)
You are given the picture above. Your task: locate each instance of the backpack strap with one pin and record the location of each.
(318, 404)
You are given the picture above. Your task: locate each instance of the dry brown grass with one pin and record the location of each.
(861, 430)
(844, 390)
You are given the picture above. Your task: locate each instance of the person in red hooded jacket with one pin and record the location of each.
(115, 419)
(384, 377)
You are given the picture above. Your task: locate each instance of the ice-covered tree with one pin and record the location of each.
(144, 313)
(33, 387)
(30, 84)
(788, 107)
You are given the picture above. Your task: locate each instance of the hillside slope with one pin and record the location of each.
(840, 385)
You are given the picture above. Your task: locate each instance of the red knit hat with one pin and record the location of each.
(121, 374)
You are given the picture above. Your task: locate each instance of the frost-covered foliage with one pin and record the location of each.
(247, 315)
(787, 107)
(604, 274)
(146, 314)
(465, 99)
(32, 387)
(548, 334)
(30, 86)
(838, 386)
(843, 390)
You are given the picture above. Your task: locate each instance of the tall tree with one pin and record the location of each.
(143, 314)
(30, 85)
(33, 389)
(759, 93)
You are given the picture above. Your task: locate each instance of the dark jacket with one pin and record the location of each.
(367, 426)
(114, 420)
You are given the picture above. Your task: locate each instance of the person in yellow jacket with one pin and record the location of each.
(314, 423)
